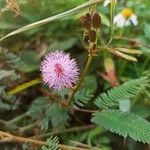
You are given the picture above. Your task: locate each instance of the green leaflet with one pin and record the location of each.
(86, 93)
(83, 96)
(43, 110)
(6, 73)
(124, 123)
(122, 92)
(53, 144)
(29, 61)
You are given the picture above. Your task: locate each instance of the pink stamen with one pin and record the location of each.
(58, 70)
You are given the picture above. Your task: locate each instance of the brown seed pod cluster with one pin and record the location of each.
(86, 21)
(96, 21)
(91, 23)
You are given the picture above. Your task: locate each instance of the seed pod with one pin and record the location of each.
(88, 17)
(84, 22)
(92, 36)
(96, 21)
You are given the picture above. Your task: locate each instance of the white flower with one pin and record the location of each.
(125, 18)
(106, 2)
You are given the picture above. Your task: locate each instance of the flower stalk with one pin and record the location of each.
(91, 24)
(75, 89)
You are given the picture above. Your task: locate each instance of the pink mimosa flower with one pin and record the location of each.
(59, 70)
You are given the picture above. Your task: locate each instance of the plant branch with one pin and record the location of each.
(6, 137)
(83, 145)
(85, 110)
(21, 130)
(79, 128)
(131, 40)
(12, 121)
(75, 89)
(11, 127)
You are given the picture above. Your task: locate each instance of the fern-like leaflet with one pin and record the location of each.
(53, 144)
(122, 92)
(83, 96)
(124, 123)
(43, 110)
(86, 92)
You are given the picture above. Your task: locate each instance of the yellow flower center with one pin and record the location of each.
(127, 12)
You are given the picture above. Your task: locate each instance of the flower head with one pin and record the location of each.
(107, 2)
(125, 18)
(59, 70)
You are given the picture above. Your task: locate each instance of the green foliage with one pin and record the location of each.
(8, 103)
(29, 61)
(6, 73)
(62, 44)
(124, 123)
(9, 58)
(90, 82)
(38, 111)
(53, 144)
(125, 91)
(141, 110)
(86, 93)
(7, 76)
(83, 96)
(58, 115)
(147, 30)
(44, 111)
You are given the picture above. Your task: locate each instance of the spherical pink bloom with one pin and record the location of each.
(59, 70)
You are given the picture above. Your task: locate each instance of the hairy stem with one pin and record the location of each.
(75, 89)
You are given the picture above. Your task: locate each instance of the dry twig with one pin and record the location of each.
(6, 137)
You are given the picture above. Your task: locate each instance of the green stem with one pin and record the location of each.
(25, 128)
(112, 11)
(71, 95)
(73, 129)
(16, 119)
(85, 69)
(11, 127)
